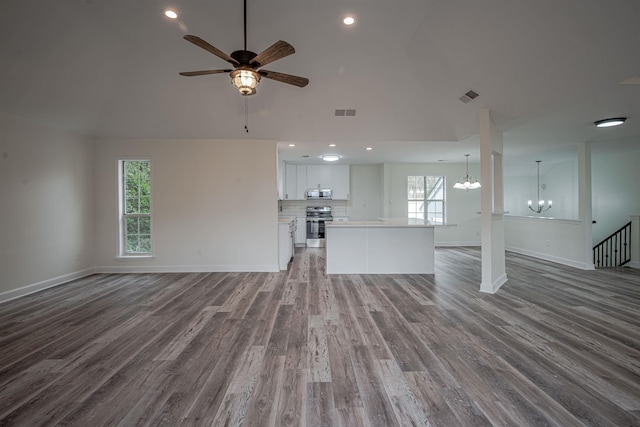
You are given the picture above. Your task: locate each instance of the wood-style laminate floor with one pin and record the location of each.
(555, 346)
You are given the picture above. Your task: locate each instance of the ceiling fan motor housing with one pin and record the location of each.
(244, 57)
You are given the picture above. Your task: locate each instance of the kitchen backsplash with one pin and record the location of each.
(299, 207)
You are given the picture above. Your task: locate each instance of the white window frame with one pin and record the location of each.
(426, 198)
(122, 253)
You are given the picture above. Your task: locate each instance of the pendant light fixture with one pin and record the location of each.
(465, 182)
(542, 205)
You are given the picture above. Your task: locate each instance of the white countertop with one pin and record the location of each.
(392, 222)
(285, 219)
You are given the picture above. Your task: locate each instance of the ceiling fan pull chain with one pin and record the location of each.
(246, 114)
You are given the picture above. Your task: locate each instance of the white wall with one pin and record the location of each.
(462, 206)
(46, 206)
(561, 181)
(566, 241)
(615, 194)
(214, 205)
(555, 240)
(366, 192)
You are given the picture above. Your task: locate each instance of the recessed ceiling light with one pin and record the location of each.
(606, 123)
(170, 14)
(369, 148)
(292, 145)
(330, 157)
(348, 20)
(332, 145)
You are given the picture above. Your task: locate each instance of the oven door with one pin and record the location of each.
(313, 228)
(316, 232)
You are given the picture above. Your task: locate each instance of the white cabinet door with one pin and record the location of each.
(319, 176)
(290, 183)
(340, 182)
(281, 191)
(301, 182)
(301, 231)
(295, 182)
(285, 251)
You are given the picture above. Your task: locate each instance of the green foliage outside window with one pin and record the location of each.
(137, 206)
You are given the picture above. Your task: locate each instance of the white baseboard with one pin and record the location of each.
(552, 258)
(634, 264)
(492, 288)
(45, 284)
(454, 244)
(188, 269)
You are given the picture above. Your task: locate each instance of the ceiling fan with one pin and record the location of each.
(246, 73)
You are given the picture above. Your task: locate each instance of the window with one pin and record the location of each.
(425, 198)
(135, 207)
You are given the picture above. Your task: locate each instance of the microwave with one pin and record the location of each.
(318, 193)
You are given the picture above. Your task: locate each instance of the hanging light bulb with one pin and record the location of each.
(542, 206)
(465, 182)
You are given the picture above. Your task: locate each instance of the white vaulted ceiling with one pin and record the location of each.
(545, 68)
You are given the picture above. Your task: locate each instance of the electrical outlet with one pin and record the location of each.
(78, 256)
(199, 252)
(548, 243)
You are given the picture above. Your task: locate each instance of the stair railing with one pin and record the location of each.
(615, 250)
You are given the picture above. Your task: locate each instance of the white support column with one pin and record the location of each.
(492, 201)
(635, 241)
(585, 202)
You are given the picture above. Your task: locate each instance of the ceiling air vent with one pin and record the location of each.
(469, 96)
(345, 112)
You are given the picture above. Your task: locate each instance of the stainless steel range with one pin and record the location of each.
(317, 217)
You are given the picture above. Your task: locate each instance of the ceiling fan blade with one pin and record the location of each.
(202, 73)
(285, 78)
(276, 51)
(209, 48)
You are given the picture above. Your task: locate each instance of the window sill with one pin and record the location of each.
(135, 258)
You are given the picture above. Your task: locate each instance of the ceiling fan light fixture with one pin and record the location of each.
(245, 80)
(606, 123)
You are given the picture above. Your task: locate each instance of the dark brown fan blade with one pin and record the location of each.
(276, 51)
(202, 73)
(285, 78)
(206, 46)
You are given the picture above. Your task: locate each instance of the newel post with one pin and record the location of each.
(635, 241)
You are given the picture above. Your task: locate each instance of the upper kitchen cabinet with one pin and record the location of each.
(340, 182)
(295, 182)
(318, 176)
(299, 178)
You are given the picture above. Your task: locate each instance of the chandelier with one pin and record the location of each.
(542, 206)
(464, 183)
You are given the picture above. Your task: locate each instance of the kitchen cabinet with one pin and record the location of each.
(285, 242)
(340, 182)
(318, 176)
(295, 182)
(299, 178)
(301, 231)
(281, 166)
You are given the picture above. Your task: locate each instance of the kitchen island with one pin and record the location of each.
(395, 246)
